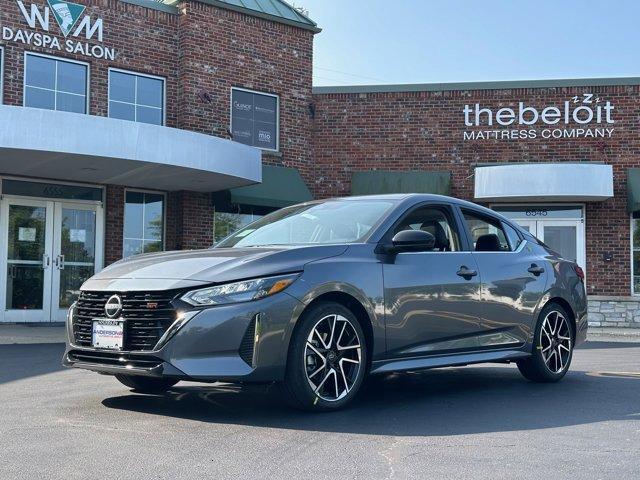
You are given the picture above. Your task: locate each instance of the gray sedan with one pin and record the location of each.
(316, 296)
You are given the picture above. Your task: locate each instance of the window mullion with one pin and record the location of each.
(55, 86)
(135, 99)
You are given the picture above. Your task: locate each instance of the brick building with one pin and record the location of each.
(130, 126)
(560, 157)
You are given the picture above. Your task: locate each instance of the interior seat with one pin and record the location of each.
(488, 243)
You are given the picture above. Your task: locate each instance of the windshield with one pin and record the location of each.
(334, 221)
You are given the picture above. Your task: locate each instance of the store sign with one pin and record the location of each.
(254, 119)
(582, 116)
(75, 27)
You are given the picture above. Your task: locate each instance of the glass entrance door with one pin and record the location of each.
(75, 253)
(563, 236)
(559, 226)
(50, 248)
(27, 232)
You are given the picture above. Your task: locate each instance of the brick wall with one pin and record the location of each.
(204, 49)
(220, 49)
(145, 41)
(423, 131)
(114, 223)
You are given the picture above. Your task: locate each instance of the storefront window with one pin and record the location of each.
(55, 84)
(255, 118)
(143, 223)
(139, 98)
(226, 223)
(635, 225)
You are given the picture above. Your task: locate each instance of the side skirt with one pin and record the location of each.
(422, 363)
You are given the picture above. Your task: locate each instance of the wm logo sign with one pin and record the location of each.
(67, 16)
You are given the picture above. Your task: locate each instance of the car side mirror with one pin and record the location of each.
(411, 241)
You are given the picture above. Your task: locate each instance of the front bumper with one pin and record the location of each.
(244, 342)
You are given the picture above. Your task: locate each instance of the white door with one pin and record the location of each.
(565, 237)
(27, 236)
(530, 226)
(50, 249)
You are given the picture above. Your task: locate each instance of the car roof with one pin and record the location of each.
(420, 198)
(409, 199)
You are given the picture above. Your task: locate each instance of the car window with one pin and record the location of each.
(437, 222)
(512, 235)
(332, 221)
(487, 233)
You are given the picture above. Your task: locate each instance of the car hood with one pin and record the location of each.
(182, 269)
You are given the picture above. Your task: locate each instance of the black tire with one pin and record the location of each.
(305, 361)
(550, 367)
(146, 384)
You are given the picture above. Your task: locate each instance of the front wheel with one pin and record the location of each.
(327, 359)
(146, 384)
(552, 346)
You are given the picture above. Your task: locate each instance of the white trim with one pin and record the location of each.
(135, 93)
(57, 59)
(526, 205)
(163, 241)
(256, 92)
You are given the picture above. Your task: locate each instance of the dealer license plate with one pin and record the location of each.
(108, 334)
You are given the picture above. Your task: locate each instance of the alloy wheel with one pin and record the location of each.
(555, 341)
(333, 357)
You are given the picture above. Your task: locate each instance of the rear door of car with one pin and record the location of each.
(513, 278)
(430, 304)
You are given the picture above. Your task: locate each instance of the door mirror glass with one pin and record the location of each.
(413, 241)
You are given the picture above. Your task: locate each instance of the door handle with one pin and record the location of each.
(46, 261)
(466, 273)
(535, 269)
(60, 262)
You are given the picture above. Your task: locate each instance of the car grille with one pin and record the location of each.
(247, 344)
(147, 316)
(115, 359)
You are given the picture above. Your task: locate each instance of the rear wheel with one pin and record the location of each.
(552, 346)
(146, 384)
(327, 359)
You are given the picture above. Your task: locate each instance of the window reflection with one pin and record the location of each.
(143, 223)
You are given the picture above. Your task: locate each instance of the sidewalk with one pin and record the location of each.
(29, 334)
(608, 334)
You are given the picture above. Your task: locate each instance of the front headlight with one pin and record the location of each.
(244, 291)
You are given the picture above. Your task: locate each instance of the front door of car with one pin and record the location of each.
(431, 298)
(513, 279)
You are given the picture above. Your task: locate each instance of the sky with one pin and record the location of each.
(433, 41)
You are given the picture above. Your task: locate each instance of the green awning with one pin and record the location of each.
(280, 187)
(375, 182)
(633, 190)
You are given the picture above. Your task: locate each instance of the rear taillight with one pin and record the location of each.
(579, 272)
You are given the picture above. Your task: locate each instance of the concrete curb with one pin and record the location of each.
(604, 334)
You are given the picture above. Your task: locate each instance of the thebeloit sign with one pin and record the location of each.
(585, 116)
(73, 25)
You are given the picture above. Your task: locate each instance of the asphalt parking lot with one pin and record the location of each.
(473, 422)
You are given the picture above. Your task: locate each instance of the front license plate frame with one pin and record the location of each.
(107, 334)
